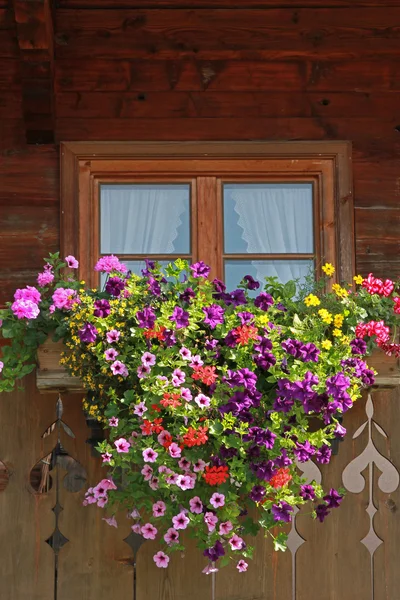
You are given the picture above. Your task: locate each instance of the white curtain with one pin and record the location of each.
(142, 219)
(275, 219)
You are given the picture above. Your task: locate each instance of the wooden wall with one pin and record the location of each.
(269, 70)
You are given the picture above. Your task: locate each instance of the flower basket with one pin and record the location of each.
(50, 375)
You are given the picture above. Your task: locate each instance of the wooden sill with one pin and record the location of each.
(52, 377)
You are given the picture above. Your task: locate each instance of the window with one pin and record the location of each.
(258, 208)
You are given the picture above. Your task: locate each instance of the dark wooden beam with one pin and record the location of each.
(35, 38)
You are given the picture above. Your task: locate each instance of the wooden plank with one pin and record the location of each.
(35, 39)
(246, 75)
(227, 34)
(376, 183)
(96, 563)
(364, 131)
(175, 104)
(224, 3)
(8, 42)
(10, 78)
(10, 105)
(27, 562)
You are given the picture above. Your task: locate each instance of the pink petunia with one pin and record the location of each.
(179, 376)
(122, 445)
(210, 520)
(196, 362)
(136, 528)
(154, 481)
(149, 455)
(135, 514)
(196, 505)
(71, 262)
(147, 472)
(140, 409)
(112, 336)
(112, 521)
(174, 450)
(161, 560)
(172, 536)
(148, 531)
(185, 482)
(106, 264)
(106, 457)
(217, 500)
(180, 521)
(159, 509)
(184, 463)
(225, 528)
(199, 465)
(102, 501)
(185, 353)
(172, 478)
(242, 566)
(236, 542)
(113, 422)
(186, 394)
(1, 365)
(210, 568)
(108, 484)
(163, 436)
(111, 354)
(202, 400)
(148, 359)
(118, 368)
(143, 371)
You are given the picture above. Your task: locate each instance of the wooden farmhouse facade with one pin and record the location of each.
(203, 98)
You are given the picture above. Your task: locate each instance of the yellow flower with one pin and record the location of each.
(326, 344)
(345, 340)
(312, 300)
(328, 269)
(358, 279)
(339, 291)
(263, 319)
(338, 321)
(337, 333)
(325, 315)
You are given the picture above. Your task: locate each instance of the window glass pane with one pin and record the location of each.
(268, 218)
(145, 219)
(235, 270)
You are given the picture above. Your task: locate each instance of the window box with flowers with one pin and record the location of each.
(207, 395)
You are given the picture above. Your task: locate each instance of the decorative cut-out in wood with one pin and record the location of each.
(354, 481)
(4, 476)
(311, 472)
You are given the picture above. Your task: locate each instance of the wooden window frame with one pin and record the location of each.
(85, 165)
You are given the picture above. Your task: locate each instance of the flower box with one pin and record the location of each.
(50, 375)
(387, 367)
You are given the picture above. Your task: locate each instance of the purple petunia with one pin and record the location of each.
(322, 512)
(101, 308)
(187, 295)
(257, 493)
(146, 318)
(88, 333)
(114, 286)
(252, 284)
(200, 269)
(264, 301)
(307, 492)
(333, 499)
(214, 315)
(215, 552)
(180, 316)
(281, 511)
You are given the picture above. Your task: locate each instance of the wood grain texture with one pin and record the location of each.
(319, 33)
(226, 3)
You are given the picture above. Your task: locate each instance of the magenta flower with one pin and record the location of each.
(225, 528)
(71, 262)
(135, 514)
(202, 401)
(174, 450)
(196, 505)
(210, 520)
(28, 293)
(107, 264)
(159, 509)
(236, 542)
(111, 354)
(200, 269)
(186, 394)
(122, 445)
(140, 409)
(154, 483)
(185, 482)
(210, 568)
(112, 521)
(242, 566)
(25, 309)
(161, 560)
(180, 316)
(1, 365)
(185, 353)
(180, 521)
(88, 333)
(178, 377)
(148, 359)
(106, 484)
(163, 380)
(184, 463)
(136, 528)
(147, 472)
(118, 368)
(196, 362)
(199, 465)
(149, 455)
(172, 536)
(106, 457)
(65, 298)
(217, 500)
(143, 371)
(148, 531)
(112, 336)
(102, 501)
(45, 278)
(102, 308)
(163, 436)
(113, 422)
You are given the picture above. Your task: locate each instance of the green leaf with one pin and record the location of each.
(280, 541)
